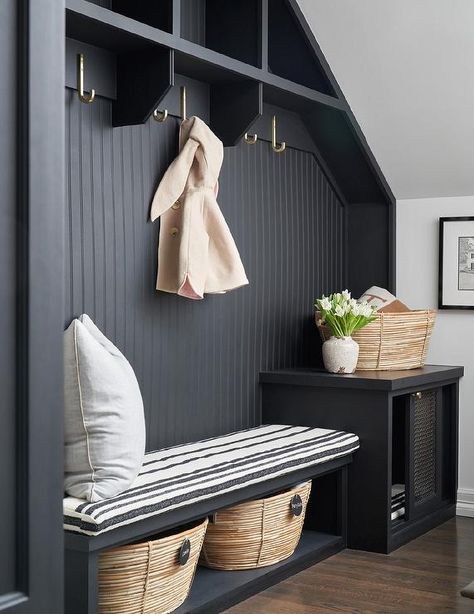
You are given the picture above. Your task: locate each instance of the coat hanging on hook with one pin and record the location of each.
(196, 253)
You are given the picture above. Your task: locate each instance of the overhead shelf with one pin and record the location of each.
(254, 53)
(104, 28)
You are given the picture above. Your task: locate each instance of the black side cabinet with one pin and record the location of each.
(407, 422)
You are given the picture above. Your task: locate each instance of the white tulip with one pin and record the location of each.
(326, 304)
(346, 294)
(355, 310)
(366, 310)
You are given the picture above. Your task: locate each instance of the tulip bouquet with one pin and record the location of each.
(344, 314)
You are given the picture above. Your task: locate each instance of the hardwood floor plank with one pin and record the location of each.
(422, 577)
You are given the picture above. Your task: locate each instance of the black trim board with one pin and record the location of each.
(38, 215)
(184, 515)
(370, 380)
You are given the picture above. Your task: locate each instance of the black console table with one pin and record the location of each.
(407, 422)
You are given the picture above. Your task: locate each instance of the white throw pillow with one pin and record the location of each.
(104, 420)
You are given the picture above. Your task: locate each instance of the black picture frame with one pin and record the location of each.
(442, 222)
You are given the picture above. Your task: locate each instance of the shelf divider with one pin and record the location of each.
(234, 108)
(143, 79)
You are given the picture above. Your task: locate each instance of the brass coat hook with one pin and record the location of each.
(182, 102)
(160, 116)
(250, 139)
(277, 147)
(83, 97)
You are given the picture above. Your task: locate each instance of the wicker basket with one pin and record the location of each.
(256, 533)
(394, 341)
(147, 577)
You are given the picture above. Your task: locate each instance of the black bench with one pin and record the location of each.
(185, 483)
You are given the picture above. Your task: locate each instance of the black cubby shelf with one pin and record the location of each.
(95, 25)
(254, 53)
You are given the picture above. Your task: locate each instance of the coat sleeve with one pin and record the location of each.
(174, 180)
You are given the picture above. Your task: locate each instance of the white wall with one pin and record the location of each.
(453, 337)
(405, 67)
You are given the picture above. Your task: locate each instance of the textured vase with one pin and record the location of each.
(340, 354)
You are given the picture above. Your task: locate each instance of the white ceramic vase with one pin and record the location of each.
(340, 354)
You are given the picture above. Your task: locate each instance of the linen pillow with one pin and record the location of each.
(383, 300)
(104, 420)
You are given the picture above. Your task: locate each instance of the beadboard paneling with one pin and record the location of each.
(197, 361)
(193, 21)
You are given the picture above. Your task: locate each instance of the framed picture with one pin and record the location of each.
(456, 263)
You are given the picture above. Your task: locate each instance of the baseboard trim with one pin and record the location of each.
(465, 503)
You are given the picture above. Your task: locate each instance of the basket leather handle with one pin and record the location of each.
(184, 551)
(296, 505)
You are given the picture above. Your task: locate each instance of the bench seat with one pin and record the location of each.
(183, 475)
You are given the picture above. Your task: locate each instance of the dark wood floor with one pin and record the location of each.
(423, 577)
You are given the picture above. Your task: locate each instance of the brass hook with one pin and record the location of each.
(277, 147)
(86, 98)
(160, 116)
(250, 139)
(182, 103)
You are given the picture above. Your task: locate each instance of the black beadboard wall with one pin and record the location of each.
(197, 361)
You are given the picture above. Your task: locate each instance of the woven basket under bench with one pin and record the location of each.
(256, 533)
(394, 341)
(151, 577)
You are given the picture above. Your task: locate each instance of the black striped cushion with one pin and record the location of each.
(182, 475)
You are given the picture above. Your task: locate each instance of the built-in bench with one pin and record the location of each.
(181, 484)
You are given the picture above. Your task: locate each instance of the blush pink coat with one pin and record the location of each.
(196, 253)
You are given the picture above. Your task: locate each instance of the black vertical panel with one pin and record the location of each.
(289, 51)
(369, 234)
(32, 284)
(8, 151)
(193, 21)
(233, 28)
(197, 361)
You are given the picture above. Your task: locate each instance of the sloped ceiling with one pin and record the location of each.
(407, 71)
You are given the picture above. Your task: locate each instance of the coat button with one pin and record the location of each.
(174, 231)
(176, 205)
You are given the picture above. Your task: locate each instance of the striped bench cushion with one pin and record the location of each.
(184, 474)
